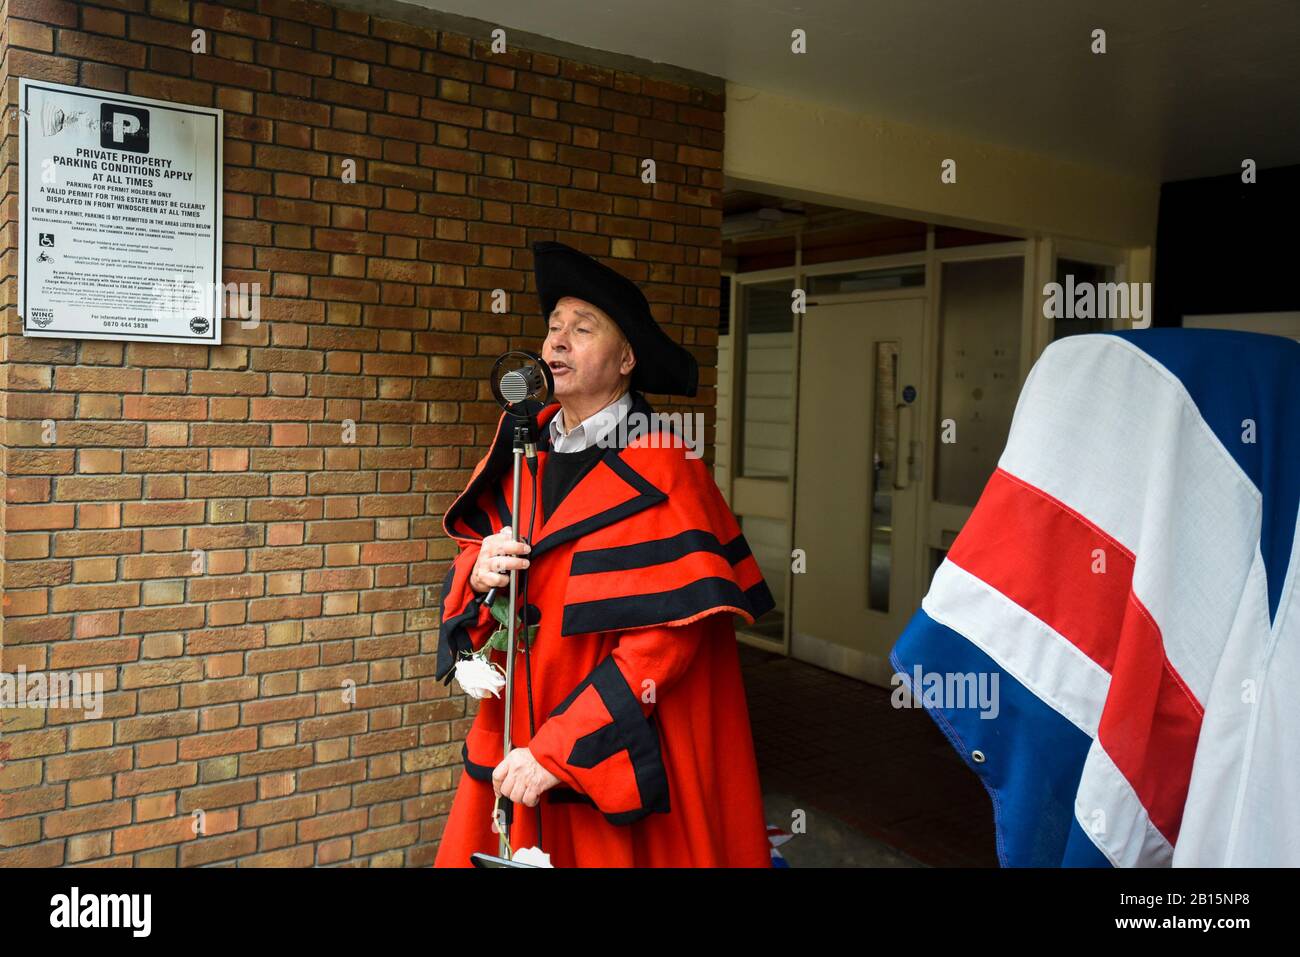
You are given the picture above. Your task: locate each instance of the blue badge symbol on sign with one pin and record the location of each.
(909, 393)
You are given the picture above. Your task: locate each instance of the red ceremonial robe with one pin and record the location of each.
(638, 703)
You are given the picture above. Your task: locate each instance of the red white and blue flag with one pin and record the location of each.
(1129, 577)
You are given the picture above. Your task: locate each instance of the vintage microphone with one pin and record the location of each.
(523, 385)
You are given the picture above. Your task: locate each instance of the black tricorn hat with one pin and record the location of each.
(662, 366)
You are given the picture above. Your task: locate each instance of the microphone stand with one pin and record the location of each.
(525, 444)
(522, 392)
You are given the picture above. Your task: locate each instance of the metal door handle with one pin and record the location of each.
(902, 446)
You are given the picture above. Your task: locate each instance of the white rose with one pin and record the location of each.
(479, 678)
(534, 856)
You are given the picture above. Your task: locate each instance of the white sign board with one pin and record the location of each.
(119, 216)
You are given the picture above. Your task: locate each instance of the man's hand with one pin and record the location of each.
(496, 556)
(521, 778)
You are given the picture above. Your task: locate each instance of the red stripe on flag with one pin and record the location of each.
(1041, 554)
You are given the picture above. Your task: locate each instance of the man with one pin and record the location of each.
(637, 750)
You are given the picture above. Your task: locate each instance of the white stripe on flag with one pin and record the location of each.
(1110, 813)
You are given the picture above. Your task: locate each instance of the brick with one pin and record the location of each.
(39, 461)
(83, 654)
(163, 646)
(19, 774)
(199, 852)
(154, 807)
(165, 460)
(155, 726)
(21, 518)
(47, 854)
(89, 597)
(28, 490)
(285, 809)
(86, 847)
(96, 734)
(162, 593)
(99, 461)
(156, 779)
(278, 709)
(215, 640)
(30, 575)
(98, 379)
(228, 20)
(221, 743)
(30, 377)
(84, 488)
(17, 547)
(142, 836)
(108, 515)
(157, 407)
(162, 513)
(153, 674)
(228, 383)
(96, 543)
(87, 46)
(31, 801)
(96, 818)
(93, 791)
(229, 460)
(97, 625)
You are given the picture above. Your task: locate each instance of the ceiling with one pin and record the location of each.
(1187, 88)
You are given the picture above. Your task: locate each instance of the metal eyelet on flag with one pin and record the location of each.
(977, 757)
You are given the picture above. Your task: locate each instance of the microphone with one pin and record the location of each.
(519, 385)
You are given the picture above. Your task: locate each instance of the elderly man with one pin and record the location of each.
(631, 743)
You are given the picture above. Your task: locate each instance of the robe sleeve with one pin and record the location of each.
(466, 621)
(601, 740)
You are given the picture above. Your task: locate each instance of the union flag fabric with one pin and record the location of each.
(1129, 576)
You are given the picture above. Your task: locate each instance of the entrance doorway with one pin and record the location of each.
(859, 469)
(850, 487)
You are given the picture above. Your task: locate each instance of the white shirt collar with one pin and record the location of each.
(592, 429)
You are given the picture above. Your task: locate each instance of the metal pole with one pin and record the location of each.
(510, 616)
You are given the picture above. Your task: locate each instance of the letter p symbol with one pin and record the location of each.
(123, 127)
(124, 124)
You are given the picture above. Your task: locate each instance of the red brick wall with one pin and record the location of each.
(223, 687)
